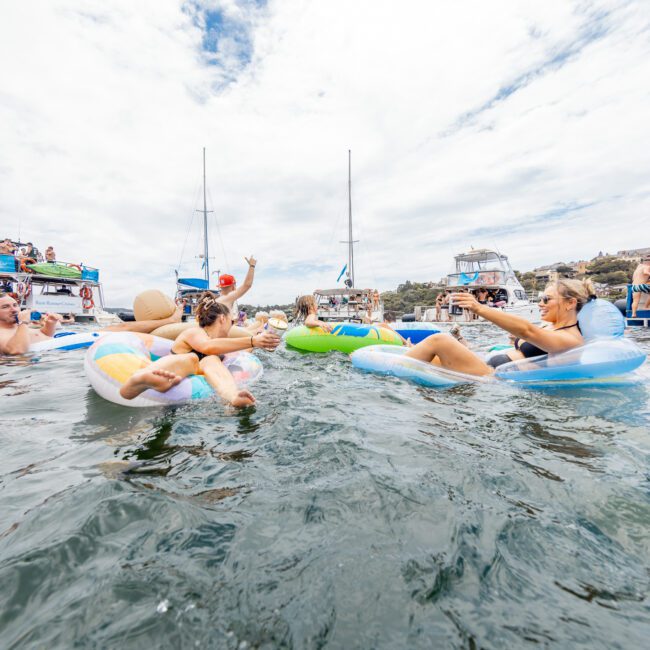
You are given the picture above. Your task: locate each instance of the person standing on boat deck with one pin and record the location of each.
(559, 307)
(230, 293)
(640, 284)
(50, 255)
(15, 333)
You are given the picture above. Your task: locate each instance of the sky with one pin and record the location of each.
(518, 125)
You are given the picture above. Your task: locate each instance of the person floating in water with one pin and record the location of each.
(307, 313)
(15, 334)
(559, 307)
(199, 350)
(640, 284)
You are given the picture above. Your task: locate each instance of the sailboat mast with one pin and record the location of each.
(206, 258)
(350, 240)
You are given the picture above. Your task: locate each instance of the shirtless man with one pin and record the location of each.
(230, 293)
(640, 284)
(7, 247)
(15, 333)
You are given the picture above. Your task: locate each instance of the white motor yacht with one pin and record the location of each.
(482, 269)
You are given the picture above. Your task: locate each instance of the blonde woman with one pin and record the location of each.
(559, 307)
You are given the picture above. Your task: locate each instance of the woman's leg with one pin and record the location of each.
(161, 375)
(442, 350)
(223, 382)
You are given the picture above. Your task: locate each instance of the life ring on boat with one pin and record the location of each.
(87, 303)
(24, 262)
(74, 266)
(116, 356)
(345, 337)
(85, 292)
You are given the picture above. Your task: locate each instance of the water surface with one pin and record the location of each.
(344, 511)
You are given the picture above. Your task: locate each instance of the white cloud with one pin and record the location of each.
(471, 123)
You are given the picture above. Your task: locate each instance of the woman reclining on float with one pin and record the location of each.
(200, 350)
(559, 307)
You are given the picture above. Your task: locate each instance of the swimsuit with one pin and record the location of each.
(527, 349)
(641, 288)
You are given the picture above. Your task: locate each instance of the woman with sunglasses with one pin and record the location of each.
(559, 307)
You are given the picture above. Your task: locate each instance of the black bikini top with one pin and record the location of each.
(529, 350)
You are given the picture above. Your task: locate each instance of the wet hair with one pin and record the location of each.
(389, 317)
(582, 290)
(303, 306)
(208, 309)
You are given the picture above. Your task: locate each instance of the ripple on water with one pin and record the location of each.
(344, 510)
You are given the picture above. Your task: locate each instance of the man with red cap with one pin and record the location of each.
(230, 293)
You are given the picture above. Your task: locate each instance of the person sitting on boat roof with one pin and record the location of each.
(50, 255)
(15, 333)
(28, 252)
(200, 350)
(230, 293)
(307, 313)
(559, 307)
(7, 247)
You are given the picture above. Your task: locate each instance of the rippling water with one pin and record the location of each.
(345, 511)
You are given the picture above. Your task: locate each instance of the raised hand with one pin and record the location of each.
(251, 261)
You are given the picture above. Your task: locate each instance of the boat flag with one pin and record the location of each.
(342, 272)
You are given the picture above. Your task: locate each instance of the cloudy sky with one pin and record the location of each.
(520, 124)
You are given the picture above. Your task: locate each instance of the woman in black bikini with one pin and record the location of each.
(559, 307)
(200, 350)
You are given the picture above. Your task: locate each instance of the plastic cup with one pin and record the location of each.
(276, 326)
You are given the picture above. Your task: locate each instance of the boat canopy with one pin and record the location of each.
(341, 292)
(196, 283)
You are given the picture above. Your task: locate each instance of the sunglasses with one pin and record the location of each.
(545, 299)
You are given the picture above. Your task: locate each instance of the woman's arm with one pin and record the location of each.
(201, 342)
(548, 340)
(312, 321)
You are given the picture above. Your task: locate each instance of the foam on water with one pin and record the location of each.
(345, 510)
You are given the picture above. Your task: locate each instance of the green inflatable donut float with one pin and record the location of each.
(345, 337)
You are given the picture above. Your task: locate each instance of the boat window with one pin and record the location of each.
(520, 295)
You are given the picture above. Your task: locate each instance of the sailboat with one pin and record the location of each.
(349, 303)
(188, 290)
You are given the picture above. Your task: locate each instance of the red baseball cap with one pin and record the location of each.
(226, 280)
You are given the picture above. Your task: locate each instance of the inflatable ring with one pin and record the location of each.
(85, 292)
(74, 266)
(415, 332)
(602, 361)
(87, 303)
(66, 341)
(116, 356)
(345, 337)
(24, 262)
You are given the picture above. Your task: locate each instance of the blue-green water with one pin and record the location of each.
(344, 511)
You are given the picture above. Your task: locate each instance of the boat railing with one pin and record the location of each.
(11, 265)
(481, 278)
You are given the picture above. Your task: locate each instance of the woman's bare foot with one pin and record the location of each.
(243, 398)
(160, 380)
